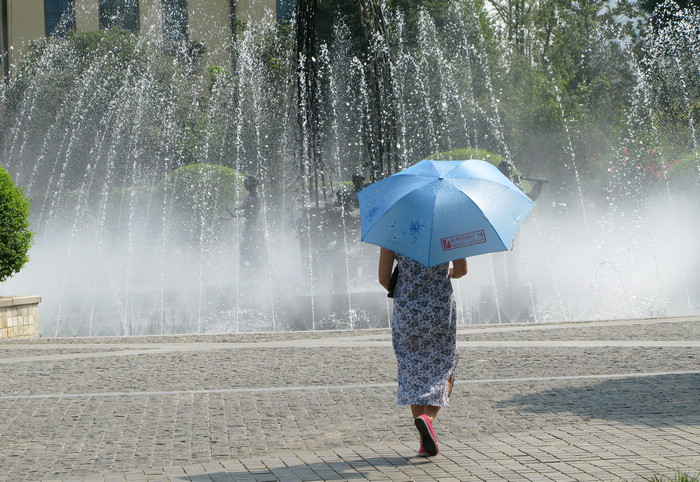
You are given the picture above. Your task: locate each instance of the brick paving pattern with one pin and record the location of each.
(611, 400)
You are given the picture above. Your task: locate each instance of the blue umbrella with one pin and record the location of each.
(439, 211)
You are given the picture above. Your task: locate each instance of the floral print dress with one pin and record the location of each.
(424, 333)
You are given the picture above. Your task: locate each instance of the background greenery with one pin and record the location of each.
(608, 94)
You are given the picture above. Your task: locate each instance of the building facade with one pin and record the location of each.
(176, 23)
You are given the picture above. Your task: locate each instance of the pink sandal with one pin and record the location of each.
(428, 439)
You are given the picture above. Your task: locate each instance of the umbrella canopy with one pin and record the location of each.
(439, 211)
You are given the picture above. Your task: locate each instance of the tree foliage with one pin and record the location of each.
(541, 83)
(15, 236)
(555, 78)
(112, 85)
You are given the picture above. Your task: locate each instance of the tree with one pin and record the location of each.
(15, 236)
(567, 83)
(380, 120)
(668, 60)
(308, 96)
(350, 12)
(661, 11)
(73, 99)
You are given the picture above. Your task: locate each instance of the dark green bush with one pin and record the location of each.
(199, 197)
(483, 155)
(682, 172)
(467, 153)
(15, 236)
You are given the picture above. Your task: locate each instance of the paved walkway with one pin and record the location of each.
(615, 400)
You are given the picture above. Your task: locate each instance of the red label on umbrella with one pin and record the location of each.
(462, 240)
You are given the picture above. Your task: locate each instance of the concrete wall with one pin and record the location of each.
(255, 10)
(25, 22)
(151, 18)
(87, 15)
(19, 316)
(209, 22)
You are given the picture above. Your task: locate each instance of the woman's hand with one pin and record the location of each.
(458, 268)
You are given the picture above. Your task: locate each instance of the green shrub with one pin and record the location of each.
(467, 153)
(198, 196)
(682, 172)
(483, 155)
(15, 236)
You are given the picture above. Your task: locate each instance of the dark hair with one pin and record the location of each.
(505, 168)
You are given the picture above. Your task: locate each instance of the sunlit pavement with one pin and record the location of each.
(613, 400)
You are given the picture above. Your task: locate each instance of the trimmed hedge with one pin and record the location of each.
(15, 236)
(467, 153)
(198, 197)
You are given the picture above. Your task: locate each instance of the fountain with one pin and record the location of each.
(137, 170)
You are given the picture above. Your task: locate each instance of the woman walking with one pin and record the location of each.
(424, 336)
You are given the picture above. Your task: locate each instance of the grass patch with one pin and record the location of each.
(677, 477)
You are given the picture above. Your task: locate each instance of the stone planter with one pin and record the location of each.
(19, 316)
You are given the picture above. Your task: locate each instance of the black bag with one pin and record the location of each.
(392, 282)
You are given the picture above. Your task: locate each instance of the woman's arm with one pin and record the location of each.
(458, 268)
(386, 263)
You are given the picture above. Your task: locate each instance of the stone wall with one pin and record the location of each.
(19, 316)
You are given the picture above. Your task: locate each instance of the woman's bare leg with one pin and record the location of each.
(429, 410)
(417, 410)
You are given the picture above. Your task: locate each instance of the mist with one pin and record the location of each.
(569, 262)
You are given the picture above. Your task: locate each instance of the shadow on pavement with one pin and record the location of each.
(331, 470)
(653, 400)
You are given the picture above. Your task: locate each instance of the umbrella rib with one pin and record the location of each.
(430, 235)
(462, 193)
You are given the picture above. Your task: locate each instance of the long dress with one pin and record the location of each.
(424, 333)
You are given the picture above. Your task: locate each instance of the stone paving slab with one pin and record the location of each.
(612, 400)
